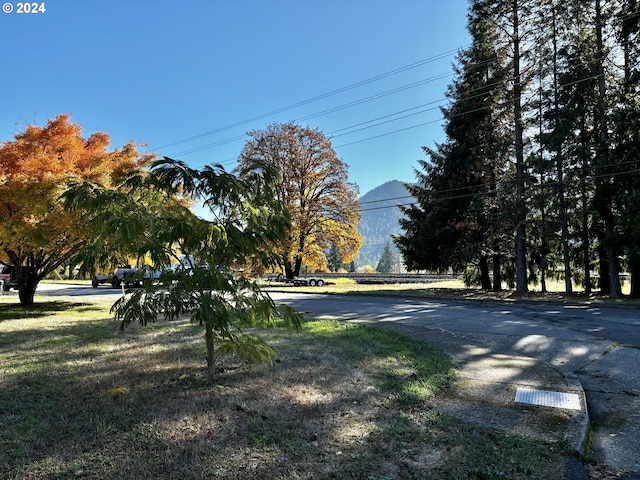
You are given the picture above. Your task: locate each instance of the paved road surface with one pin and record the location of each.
(600, 345)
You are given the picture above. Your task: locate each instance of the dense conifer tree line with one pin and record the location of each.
(539, 175)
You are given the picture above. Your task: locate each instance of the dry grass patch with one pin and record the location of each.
(81, 399)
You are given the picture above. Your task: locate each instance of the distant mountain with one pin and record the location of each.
(380, 214)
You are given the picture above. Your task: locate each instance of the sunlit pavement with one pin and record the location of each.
(597, 347)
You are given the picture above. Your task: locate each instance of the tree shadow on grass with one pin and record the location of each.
(15, 311)
(84, 400)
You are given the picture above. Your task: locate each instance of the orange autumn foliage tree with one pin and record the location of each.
(37, 234)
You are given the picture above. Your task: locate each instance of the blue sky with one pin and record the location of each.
(189, 79)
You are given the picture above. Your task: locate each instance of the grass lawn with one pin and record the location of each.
(81, 399)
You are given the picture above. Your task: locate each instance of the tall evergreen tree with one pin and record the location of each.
(543, 141)
(334, 258)
(458, 217)
(626, 138)
(385, 265)
(605, 189)
(574, 129)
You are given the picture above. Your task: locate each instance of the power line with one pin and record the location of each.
(493, 192)
(495, 87)
(339, 107)
(331, 93)
(314, 99)
(331, 110)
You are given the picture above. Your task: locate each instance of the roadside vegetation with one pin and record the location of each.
(83, 399)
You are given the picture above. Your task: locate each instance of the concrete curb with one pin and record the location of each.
(579, 430)
(497, 388)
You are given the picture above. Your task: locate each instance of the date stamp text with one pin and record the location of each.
(24, 7)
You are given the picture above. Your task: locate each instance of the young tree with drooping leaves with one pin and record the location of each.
(313, 185)
(36, 234)
(147, 214)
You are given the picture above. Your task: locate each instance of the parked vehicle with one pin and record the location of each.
(298, 282)
(311, 282)
(99, 279)
(128, 276)
(8, 277)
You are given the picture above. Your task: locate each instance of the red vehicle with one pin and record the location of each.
(8, 277)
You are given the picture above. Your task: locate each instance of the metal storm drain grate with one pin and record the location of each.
(546, 398)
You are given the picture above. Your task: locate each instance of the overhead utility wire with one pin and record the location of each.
(497, 86)
(325, 95)
(376, 96)
(350, 104)
(333, 109)
(314, 99)
(570, 177)
(493, 192)
(324, 112)
(530, 95)
(492, 90)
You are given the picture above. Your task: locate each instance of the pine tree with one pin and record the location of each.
(459, 215)
(334, 258)
(385, 265)
(626, 138)
(542, 148)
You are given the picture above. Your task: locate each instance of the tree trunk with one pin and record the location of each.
(485, 280)
(603, 157)
(603, 260)
(586, 252)
(292, 269)
(288, 270)
(634, 271)
(211, 366)
(27, 284)
(497, 275)
(586, 260)
(612, 257)
(566, 257)
(297, 265)
(562, 214)
(521, 208)
(543, 239)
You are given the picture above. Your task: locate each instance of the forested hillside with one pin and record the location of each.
(380, 214)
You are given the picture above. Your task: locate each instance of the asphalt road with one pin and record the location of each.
(80, 292)
(621, 325)
(599, 345)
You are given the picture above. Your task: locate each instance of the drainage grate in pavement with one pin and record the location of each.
(546, 398)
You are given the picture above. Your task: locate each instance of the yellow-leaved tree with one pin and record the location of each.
(313, 185)
(37, 235)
